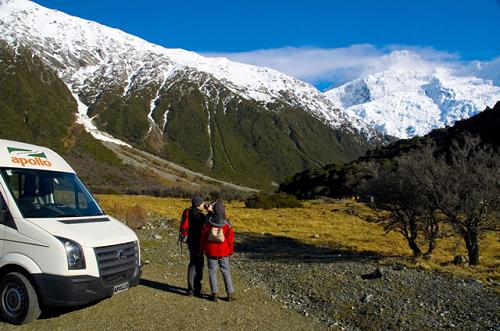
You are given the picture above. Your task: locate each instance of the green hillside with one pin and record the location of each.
(35, 104)
(249, 143)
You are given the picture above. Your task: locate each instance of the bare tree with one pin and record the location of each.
(397, 191)
(468, 191)
(415, 190)
(419, 169)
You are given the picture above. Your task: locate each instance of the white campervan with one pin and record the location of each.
(57, 247)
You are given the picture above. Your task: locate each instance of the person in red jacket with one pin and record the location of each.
(217, 241)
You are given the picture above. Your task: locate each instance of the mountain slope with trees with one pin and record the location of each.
(331, 180)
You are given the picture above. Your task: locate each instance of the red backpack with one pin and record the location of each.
(184, 226)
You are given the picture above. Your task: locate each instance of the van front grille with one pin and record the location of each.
(116, 261)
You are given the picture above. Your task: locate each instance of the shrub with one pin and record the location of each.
(276, 200)
(135, 217)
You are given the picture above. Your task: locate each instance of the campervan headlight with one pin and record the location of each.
(74, 254)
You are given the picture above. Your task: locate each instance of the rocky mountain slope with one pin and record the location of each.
(242, 123)
(405, 102)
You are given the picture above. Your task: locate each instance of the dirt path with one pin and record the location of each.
(159, 303)
(169, 170)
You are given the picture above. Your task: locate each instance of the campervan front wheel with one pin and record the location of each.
(19, 301)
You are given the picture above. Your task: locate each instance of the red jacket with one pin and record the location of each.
(216, 249)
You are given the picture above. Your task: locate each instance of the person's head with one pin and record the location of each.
(197, 202)
(219, 209)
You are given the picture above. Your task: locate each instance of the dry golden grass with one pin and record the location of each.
(329, 224)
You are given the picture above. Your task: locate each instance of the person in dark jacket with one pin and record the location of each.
(195, 267)
(217, 241)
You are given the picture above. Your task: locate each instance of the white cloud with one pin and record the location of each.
(311, 64)
(338, 65)
(486, 70)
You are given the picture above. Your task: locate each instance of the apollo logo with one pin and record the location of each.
(28, 157)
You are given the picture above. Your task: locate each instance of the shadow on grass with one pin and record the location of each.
(269, 247)
(169, 288)
(163, 287)
(49, 312)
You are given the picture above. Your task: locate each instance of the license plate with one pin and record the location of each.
(120, 288)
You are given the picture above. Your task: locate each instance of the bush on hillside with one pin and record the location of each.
(276, 200)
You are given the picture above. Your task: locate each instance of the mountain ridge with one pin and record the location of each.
(77, 47)
(248, 125)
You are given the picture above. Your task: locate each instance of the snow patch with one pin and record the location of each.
(210, 161)
(83, 119)
(165, 118)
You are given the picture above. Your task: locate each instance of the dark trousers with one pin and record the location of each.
(195, 270)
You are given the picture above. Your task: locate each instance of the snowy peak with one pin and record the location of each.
(406, 102)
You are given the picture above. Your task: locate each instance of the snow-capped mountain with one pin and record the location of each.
(238, 122)
(405, 102)
(83, 51)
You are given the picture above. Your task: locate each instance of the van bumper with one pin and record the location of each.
(78, 290)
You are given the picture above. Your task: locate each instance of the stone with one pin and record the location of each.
(377, 273)
(366, 298)
(458, 260)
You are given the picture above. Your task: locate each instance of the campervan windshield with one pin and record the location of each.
(48, 194)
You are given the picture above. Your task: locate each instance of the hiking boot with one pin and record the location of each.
(198, 294)
(213, 297)
(190, 293)
(231, 297)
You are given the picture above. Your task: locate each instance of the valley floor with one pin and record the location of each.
(282, 283)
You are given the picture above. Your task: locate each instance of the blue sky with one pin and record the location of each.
(444, 30)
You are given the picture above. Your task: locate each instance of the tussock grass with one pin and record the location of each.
(335, 224)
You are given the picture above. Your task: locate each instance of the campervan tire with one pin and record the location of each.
(18, 299)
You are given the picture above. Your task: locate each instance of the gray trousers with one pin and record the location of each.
(195, 270)
(223, 263)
